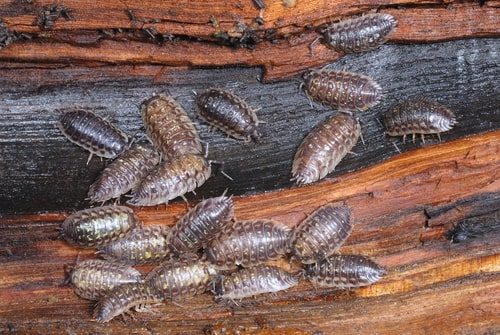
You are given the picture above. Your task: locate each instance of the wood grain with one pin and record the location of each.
(392, 210)
(181, 34)
(109, 56)
(461, 75)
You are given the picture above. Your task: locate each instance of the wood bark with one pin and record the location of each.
(194, 33)
(108, 57)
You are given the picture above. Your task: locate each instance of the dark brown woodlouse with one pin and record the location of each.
(124, 173)
(344, 271)
(252, 281)
(418, 116)
(171, 179)
(342, 90)
(181, 278)
(248, 243)
(169, 127)
(94, 227)
(93, 133)
(228, 112)
(92, 278)
(360, 34)
(124, 297)
(321, 234)
(142, 246)
(324, 147)
(201, 224)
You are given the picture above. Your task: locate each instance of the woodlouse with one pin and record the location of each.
(344, 271)
(92, 278)
(181, 278)
(98, 226)
(418, 116)
(324, 147)
(169, 127)
(360, 34)
(249, 282)
(93, 133)
(170, 180)
(201, 224)
(124, 297)
(248, 243)
(124, 173)
(228, 112)
(142, 246)
(321, 233)
(342, 90)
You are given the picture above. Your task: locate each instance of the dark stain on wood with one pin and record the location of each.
(460, 74)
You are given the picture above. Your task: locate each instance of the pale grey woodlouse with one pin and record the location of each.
(360, 34)
(123, 297)
(228, 112)
(169, 127)
(324, 147)
(177, 278)
(418, 116)
(248, 243)
(94, 227)
(253, 281)
(201, 224)
(321, 234)
(171, 179)
(344, 271)
(124, 173)
(92, 278)
(93, 133)
(342, 90)
(143, 245)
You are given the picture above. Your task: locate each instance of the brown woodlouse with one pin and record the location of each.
(360, 34)
(92, 278)
(124, 297)
(321, 233)
(170, 180)
(418, 116)
(324, 147)
(142, 246)
(94, 227)
(124, 173)
(342, 90)
(248, 243)
(249, 282)
(201, 224)
(169, 127)
(93, 133)
(181, 278)
(344, 271)
(228, 112)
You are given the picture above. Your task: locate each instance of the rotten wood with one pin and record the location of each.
(110, 56)
(462, 75)
(220, 33)
(431, 286)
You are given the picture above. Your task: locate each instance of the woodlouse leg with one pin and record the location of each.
(396, 146)
(90, 157)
